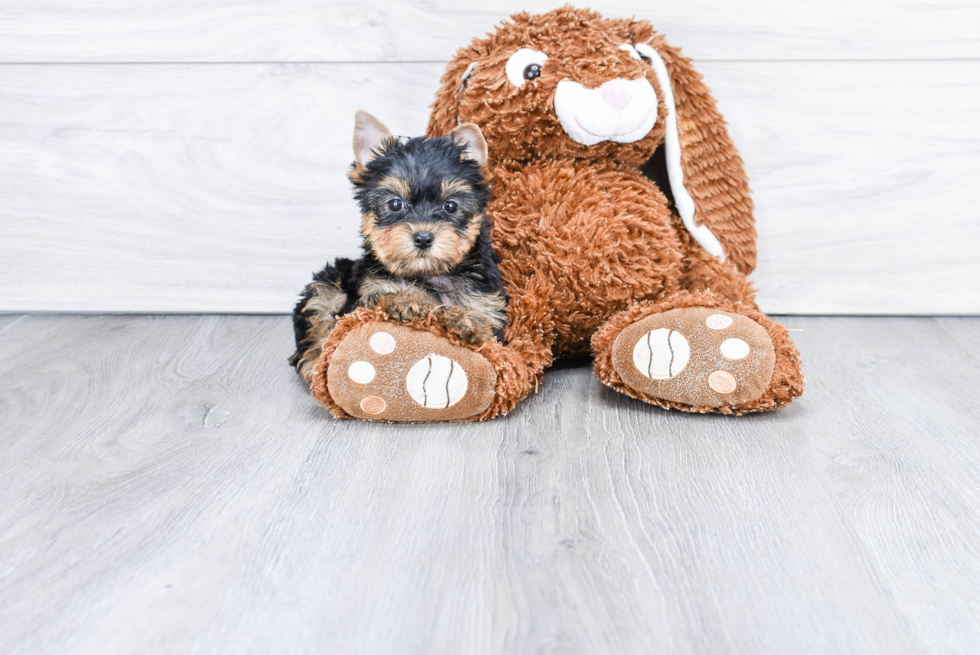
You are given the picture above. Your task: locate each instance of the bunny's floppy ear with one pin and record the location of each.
(445, 109)
(707, 177)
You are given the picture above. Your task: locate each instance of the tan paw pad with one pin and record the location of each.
(696, 356)
(436, 382)
(661, 354)
(388, 372)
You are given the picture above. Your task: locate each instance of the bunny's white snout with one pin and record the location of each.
(620, 110)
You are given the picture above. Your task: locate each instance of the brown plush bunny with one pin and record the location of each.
(645, 273)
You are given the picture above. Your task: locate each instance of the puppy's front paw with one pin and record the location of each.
(471, 327)
(404, 306)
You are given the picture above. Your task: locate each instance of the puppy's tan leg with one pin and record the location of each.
(469, 325)
(403, 306)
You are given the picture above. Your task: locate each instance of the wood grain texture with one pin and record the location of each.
(196, 188)
(9, 320)
(395, 30)
(170, 487)
(904, 460)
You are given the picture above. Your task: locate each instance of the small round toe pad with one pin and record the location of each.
(722, 382)
(373, 405)
(382, 343)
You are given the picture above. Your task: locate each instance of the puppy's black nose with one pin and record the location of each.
(423, 240)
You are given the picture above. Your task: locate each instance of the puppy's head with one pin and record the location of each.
(422, 199)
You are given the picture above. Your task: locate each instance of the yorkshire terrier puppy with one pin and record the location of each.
(426, 241)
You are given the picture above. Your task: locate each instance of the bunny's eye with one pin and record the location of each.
(524, 65)
(395, 205)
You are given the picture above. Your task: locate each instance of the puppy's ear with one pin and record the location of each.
(470, 137)
(369, 135)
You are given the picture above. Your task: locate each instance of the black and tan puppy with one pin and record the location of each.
(426, 241)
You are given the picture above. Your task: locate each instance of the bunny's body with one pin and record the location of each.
(646, 272)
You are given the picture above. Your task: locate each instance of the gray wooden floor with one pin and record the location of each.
(167, 485)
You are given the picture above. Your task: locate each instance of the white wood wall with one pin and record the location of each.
(190, 155)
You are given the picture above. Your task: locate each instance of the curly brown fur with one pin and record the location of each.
(520, 124)
(582, 233)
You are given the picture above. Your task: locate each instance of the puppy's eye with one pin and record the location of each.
(395, 205)
(524, 65)
(450, 206)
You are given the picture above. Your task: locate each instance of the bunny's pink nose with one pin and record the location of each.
(617, 93)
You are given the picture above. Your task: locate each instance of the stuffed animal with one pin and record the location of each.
(623, 224)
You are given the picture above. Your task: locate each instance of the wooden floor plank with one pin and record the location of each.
(9, 320)
(139, 466)
(898, 433)
(169, 486)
